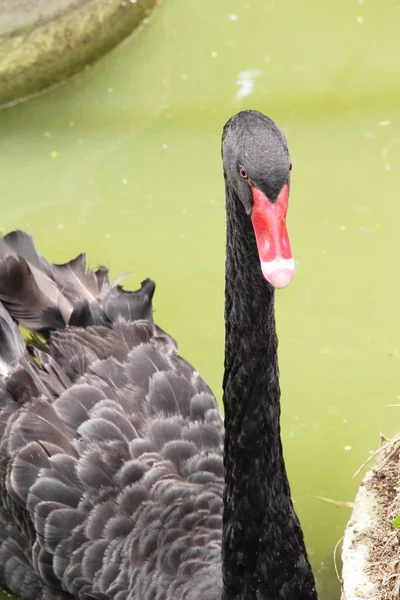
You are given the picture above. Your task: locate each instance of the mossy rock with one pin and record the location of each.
(43, 42)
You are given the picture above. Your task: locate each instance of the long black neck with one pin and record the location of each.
(263, 552)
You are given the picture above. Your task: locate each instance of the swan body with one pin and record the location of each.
(118, 478)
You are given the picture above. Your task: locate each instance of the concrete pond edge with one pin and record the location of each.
(48, 50)
(356, 584)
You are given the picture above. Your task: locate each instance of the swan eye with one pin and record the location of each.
(290, 168)
(243, 173)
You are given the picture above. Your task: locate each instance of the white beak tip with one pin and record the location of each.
(279, 273)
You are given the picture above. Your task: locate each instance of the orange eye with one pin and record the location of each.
(243, 173)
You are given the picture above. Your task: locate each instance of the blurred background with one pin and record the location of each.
(123, 161)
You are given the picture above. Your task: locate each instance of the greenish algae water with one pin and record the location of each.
(124, 161)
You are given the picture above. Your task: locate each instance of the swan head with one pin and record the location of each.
(257, 167)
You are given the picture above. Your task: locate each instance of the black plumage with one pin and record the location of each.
(118, 479)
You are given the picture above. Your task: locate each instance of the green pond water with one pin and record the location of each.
(124, 162)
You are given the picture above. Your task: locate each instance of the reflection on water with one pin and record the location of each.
(124, 162)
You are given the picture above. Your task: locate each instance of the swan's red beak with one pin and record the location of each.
(269, 223)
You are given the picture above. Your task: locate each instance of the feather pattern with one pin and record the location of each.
(65, 294)
(105, 470)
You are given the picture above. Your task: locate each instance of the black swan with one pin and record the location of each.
(117, 478)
